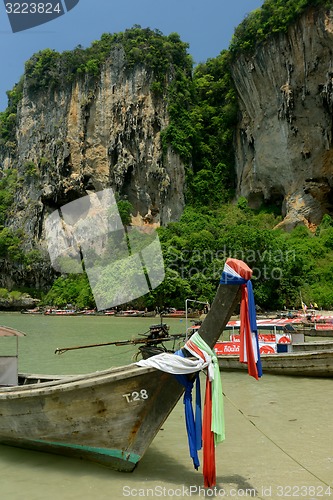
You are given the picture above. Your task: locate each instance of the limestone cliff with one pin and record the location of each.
(284, 139)
(93, 134)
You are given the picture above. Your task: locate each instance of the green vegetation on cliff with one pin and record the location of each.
(195, 249)
(8, 184)
(202, 105)
(275, 16)
(141, 46)
(8, 118)
(166, 57)
(211, 181)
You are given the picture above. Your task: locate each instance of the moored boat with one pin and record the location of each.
(130, 313)
(60, 312)
(310, 323)
(312, 326)
(110, 416)
(323, 329)
(179, 313)
(283, 352)
(317, 363)
(35, 310)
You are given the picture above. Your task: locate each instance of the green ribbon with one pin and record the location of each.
(218, 425)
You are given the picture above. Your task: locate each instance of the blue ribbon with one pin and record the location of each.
(193, 425)
(253, 322)
(230, 279)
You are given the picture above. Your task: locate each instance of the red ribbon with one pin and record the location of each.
(208, 440)
(209, 469)
(246, 345)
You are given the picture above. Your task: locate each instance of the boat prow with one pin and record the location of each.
(111, 416)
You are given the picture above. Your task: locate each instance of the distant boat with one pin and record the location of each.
(282, 350)
(87, 312)
(60, 312)
(109, 313)
(36, 310)
(130, 313)
(179, 313)
(310, 325)
(324, 329)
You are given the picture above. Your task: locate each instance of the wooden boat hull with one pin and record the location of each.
(317, 345)
(312, 332)
(304, 364)
(109, 417)
(182, 316)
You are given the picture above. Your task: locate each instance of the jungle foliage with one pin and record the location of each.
(285, 266)
(202, 105)
(137, 46)
(273, 17)
(8, 117)
(8, 184)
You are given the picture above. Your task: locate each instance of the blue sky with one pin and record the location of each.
(207, 25)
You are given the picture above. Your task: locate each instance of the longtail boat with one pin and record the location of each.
(315, 363)
(290, 357)
(316, 329)
(110, 416)
(297, 358)
(311, 325)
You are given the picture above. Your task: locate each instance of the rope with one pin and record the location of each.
(276, 444)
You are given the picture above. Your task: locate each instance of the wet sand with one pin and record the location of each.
(278, 445)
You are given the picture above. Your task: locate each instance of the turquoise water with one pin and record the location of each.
(44, 334)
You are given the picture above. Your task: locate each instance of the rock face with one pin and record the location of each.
(94, 133)
(284, 140)
(91, 135)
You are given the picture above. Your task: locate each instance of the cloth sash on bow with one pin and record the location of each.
(193, 419)
(180, 366)
(237, 272)
(212, 430)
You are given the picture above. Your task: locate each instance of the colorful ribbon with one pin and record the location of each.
(237, 273)
(213, 431)
(198, 347)
(209, 467)
(193, 423)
